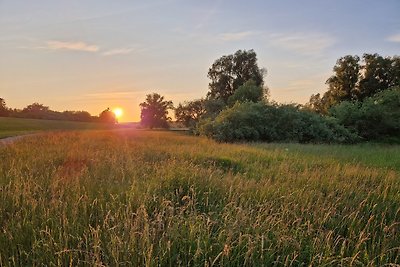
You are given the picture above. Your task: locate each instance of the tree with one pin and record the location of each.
(4, 112)
(76, 116)
(356, 80)
(107, 116)
(229, 72)
(378, 73)
(248, 92)
(375, 118)
(36, 111)
(154, 111)
(190, 112)
(343, 84)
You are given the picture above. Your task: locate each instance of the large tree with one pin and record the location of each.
(154, 111)
(229, 72)
(355, 80)
(378, 74)
(343, 84)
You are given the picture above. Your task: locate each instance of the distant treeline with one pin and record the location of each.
(39, 111)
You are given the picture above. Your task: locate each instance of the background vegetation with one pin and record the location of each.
(40, 111)
(362, 103)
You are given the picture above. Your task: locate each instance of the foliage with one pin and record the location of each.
(379, 73)
(355, 81)
(213, 107)
(40, 111)
(36, 111)
(190, 112)
(376, 118)
(83, 116)
(262, 122)
(343, 85)
(4, 112)
(154, 111)
(107, 116)
(229, 72)
(134, 198)
(248, 92)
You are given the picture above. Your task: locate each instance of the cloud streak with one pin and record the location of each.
(123, 51)
(303, 43)
(83, 47)
(120, 51)
(74, 46)
(236, 36)
(395, 38)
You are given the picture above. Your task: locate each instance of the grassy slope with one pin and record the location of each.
(156, 198)
(373, 155)
(17, 126)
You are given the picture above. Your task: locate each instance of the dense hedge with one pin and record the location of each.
(271, 122)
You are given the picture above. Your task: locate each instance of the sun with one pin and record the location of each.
(118, 112)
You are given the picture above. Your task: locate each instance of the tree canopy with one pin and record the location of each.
(248, 92)
(154, 111)
(356, 80)
(36, 111)
(229, 72)
(190, 112)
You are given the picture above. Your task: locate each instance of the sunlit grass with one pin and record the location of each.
(141, 198)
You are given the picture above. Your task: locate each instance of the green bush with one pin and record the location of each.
(248, 92)
(377, 118)
(263, 122)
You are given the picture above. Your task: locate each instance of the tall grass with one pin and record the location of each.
(137, 198)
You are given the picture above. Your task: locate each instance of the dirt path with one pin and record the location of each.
(12, 139)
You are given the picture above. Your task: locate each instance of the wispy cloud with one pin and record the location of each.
(303, 43)
(236, 36)
(84, 47)
(123, 51)
(120, 51)
(75, 46)
(394, 38)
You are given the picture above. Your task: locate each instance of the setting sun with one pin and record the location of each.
(118, 112)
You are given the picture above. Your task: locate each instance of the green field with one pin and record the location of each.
(141, 198)
(18, 126)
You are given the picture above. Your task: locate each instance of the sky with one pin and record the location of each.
(93, 54)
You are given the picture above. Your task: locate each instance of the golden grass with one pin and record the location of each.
(139, 198)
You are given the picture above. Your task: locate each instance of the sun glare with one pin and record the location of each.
(118, 112)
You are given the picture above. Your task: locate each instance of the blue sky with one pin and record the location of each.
(93, 54)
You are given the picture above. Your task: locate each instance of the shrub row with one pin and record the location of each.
(251, 121)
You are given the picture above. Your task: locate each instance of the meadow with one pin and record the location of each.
(155, 198)
(19, 126)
